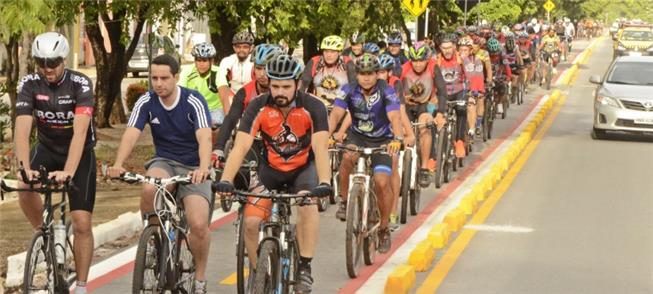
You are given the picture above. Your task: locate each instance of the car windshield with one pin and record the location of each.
(637, 36)
(631, 73)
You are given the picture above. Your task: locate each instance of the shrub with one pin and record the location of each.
(134, 91)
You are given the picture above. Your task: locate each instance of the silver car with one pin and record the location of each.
(624, 97)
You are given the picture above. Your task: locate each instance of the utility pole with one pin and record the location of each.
(465, 19)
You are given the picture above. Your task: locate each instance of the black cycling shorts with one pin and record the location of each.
(82, 196)
(414, 111)
(381, 163)
(301, 179)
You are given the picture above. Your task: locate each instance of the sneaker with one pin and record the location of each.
(460, 148)
(500, 108)
(424, 178)
(341, 214)
(199, 287)
(394, 227)
(432, 165)
(385, 241)
(471, 132)
(304, 282)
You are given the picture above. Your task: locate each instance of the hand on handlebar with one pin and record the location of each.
(31, 175)
(115, 171)
(439, 120)
(224, 188)
(322, 190)
(199, 175)
(217, 158)
(394, 146)
(60, 176)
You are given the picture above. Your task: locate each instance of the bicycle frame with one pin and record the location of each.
(361, 174)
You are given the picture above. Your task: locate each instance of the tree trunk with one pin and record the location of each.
(12, 74)
(221, 38)
(309, 42)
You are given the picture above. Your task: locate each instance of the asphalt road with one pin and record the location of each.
(329, 263)
(588, 204)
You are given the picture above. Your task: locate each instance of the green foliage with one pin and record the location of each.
(18, 17)
(135, 91)
(502, 11)
(5, 119)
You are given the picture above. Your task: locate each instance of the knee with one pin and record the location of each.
(148, 192)
(199, 227)
(252, 224)
(82, 227)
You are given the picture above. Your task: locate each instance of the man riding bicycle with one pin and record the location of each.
(326, 74)
(294, 128)
(482, 55)
(549, 44)
(501, 71)
(179, 120)
(61, 103)
(236, 69)
(356, 49)
(394, 49)
(475, 73)
(513, 55)
(374, 108)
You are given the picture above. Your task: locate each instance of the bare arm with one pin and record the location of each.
(225, 93)
(319, 142)
(81, 123)
(127, 143)
(21, 139)
(335, 117)
(395, 121)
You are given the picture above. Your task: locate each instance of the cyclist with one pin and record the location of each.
(501, 72)
(476, 76)
(525, 48)
(356, 49)
(236, 69)
(374, 108)
(326, 74)
(372, 48)
(484, 57)
(394, 49)
(549, 44)
(294, 128)
(513, 55)
(61, 102)
(560, 32)
(201, 77)
(450, 65)
(245, 180)
(570, 32)
(179, 120)
(420, 82)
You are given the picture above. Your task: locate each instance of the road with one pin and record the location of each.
(584, 200)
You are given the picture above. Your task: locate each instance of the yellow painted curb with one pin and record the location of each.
(469, 204)
(422, 256)
(479, 192)
(439, 235)
(455, 220)
(401, 280)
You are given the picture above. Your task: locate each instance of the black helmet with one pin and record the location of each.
(284, 67)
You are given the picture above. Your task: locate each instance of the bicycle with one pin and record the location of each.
(58, 272)
(409, 162)
(549, 67)
(334, 159)
(278, 250)
(362, 211)
(163, 258)
(446, 157)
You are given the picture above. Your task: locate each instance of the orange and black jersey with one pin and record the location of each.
(287, 139)
(240, 101)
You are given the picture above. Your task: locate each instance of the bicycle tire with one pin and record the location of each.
(293, 264)
(67, 271)
(323, 204)
(241, 254)
(38, 248)
(441, 157)
(370, 242)
(405, 185)
(353, 238)
(451, 138)
(415, 197)
(149, 237)
(267, 268)
(185, 267)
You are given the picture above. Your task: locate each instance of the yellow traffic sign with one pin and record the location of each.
(549, 5)
(415, 7)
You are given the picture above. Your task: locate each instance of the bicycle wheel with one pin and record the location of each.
(146, 265)
(66, 272)
(241, 254)
(354, 235)
(371, 240)
(291, 269)
(185, 267)
(267, 268)
(323, 203)
(405, 185)
(451, 138)
(415, 196)
(441, 156)
(520, 97)
(39, 257)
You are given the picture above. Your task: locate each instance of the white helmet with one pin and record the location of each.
(534, 20)
(50, 45)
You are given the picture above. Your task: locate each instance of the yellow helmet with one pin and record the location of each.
(332, 43)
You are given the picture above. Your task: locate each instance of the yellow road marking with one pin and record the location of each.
(231, 279)
(441, 269)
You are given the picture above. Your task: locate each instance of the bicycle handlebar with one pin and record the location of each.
(132, 178)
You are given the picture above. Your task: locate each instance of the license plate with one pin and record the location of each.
(644, 121)
(635, 53)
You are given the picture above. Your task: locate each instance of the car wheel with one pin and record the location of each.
(598, 134)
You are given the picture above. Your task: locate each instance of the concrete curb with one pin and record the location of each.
(400, 280)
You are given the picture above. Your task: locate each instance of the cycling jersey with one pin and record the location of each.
(395, 83)
(550, 43)
(238, 105)
(453, 73)
(525, 49)
(326, 82)
(475, 72)
(234, 73)
(400, 60)
(419, 87)
(173, 127)
(287, 138)
(482, 55)
(54, 107)
(207, 86)
(512, 58)
(369, 117)
(500, 67)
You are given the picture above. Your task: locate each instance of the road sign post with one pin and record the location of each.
(548, 6)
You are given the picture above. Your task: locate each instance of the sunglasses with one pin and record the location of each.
(48, 62)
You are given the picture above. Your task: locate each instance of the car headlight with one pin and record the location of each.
(605, 100)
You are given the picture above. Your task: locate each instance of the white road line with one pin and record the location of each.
(499, 228)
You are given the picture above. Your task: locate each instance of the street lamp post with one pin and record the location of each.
(465, 19)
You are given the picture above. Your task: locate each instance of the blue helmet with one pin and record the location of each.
(386, 61)
(395, 38)
(371, 48)
(264, 53)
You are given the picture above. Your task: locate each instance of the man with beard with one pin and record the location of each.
(179, 120)
(60, 102)
(294, 129)
(450, 65)
(394, 49)
(374, 109)
(235, 69)
(326, 74)
(421, 83)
